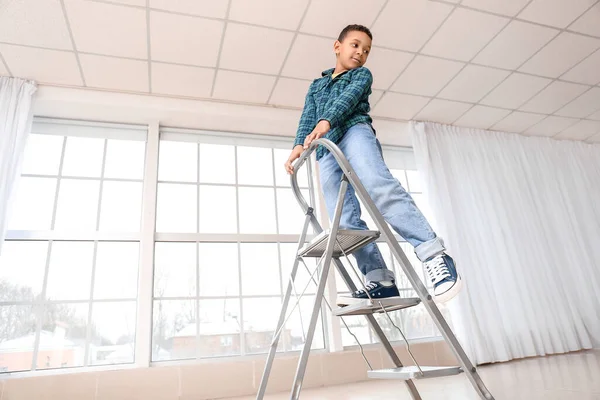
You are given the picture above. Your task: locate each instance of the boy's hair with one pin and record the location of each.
(354, 27)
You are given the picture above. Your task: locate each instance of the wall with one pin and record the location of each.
(107, 106)
(213, 379)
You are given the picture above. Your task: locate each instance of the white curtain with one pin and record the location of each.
(15, 123)
(521, 216)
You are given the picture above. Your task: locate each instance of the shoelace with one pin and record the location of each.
(369, 286)
(437, 269)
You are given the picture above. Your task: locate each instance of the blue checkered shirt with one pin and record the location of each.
(343, 101)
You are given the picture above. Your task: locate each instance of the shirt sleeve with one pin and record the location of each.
(360, 84)
(308, 119)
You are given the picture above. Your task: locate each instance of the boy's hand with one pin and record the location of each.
(296, 152)
(320, 130)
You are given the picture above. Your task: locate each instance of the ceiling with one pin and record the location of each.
(526, 66)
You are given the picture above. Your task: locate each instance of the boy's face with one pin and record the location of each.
(353, 51)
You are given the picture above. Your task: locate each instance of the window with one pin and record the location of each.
(68, 270)
(224, 208)
(219, 249)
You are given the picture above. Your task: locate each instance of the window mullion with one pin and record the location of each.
(143, 337)
(239, 253)
(39, 305)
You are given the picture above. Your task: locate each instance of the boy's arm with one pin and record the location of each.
(349, 98)
(308, 120)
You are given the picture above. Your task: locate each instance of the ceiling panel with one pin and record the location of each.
(375, 97)
(557, 13)
(456, 38)
(553, 97)
(43, 25)
(517, 122)
(408, 24)
(386, 65)
(267, 58)
(329, 17)
(472, 83)
(184, 40)
(515, 90)
(505, 7)
(203, 8)
(595, 116)
(261, 12)
(594, 139)
(400, 106)
(515, 44)
(250, 42)
(587, 71)
(41, 65)
(290, 92)
(589, 23)
(582, 106)
(114, 73)
(582, 130)
(427, 75)
(550, 126)
(561, 54)
(481, 117)
(241, 86)
(180, 80)
(309, 57)
(108, 29)
(442, 111)
(138, 3)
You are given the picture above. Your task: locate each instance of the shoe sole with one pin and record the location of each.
(450, 293)
(349, 301)
(441, 298)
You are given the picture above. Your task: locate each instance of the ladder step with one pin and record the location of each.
(350, 240)
(412, 372)
(365, 307)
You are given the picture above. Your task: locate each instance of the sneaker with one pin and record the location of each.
(442, 273)
(376, 290)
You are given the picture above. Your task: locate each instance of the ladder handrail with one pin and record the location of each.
(329, 145)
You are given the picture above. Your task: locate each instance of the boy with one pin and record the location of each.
(337, 107)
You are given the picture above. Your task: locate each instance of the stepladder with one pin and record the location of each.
(329, 247)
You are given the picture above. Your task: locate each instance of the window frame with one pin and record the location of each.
(236, 139)
(396, 158)
(84, 129)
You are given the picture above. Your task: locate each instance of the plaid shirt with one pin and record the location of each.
(343, 101)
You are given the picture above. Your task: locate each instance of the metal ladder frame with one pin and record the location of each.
(349, 177)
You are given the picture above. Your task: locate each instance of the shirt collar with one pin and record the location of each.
(329, 72)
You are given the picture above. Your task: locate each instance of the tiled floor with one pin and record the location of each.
(574, 376)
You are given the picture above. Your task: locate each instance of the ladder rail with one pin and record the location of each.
(338, 263)
(273, 350)
(397, 252)
(301, 370)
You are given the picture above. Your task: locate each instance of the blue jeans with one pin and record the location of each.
(363, 151)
